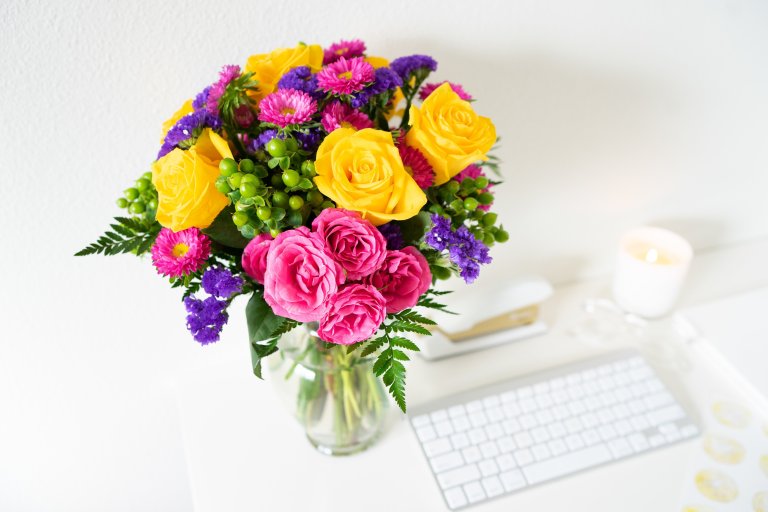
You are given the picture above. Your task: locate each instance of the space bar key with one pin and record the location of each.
(566, 464)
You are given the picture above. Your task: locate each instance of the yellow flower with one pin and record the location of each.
(186, 183)
(362, 171)
(377, 62)
(185, 109)
(268, 68)
(449, 133)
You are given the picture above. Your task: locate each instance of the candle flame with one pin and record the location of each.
(652, 256)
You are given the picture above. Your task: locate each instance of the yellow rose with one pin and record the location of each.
(185, 109)
(186, 183)
(377, 62)
(268, 68)
(362, 171)
(449, 133)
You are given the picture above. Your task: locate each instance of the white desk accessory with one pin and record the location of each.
(493, 315)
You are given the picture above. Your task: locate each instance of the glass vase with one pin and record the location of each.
(334, 395)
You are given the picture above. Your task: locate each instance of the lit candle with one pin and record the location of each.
(650, 270)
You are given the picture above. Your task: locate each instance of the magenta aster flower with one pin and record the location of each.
(180, 253)
(346, 76)
(458, 89)
(416, 165)
(346, 49)
(287, 106)
(226, 75)
(340, 115)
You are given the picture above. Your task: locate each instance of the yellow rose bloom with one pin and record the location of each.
(362, 171)
(449, 133)
(186, 183)
(268, 68)
(185, 109)
(377, 62)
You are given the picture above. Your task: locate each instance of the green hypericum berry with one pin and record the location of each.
(264, 212)
(436, 208)
(488, 239)
(308, 168)
(452, 187)
(291, 145)
(250, 178)
(467, 183)
(485, 198)
(247, 190)
(280, 198)
(227, 167)
(457, 205)
(274, 232)
(240, 219)
(481, 182)
(222, 185)
(489, 219)
(315, 198)
(441, 272)
(131, 193)
(295, 202)
(276, 148)
(122, 203)
(276, 180)
(152, 204)
(471, 204)
(327, 204)
(142, 184)
(147, 175)
(501, 236)
(235, 179)
(291, 178)
(247, 165)
(137, 207)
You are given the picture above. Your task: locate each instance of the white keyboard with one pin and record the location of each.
(507, 437)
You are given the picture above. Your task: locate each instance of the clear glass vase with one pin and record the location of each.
(335, 396)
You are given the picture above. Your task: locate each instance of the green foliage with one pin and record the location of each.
(223, 231)
(128, 235)
(264, 329)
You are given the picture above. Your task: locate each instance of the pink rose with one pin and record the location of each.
(301, 276)
(255, 256)
(402, 279)
(355, 314)
(353, 242)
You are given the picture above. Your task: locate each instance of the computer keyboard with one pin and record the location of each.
(504, 438)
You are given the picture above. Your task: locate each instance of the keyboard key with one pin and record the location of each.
(474, 406)
(623, 427)
(607, 432)
(573, 425)
(528, 405)
(426, 433)
(559, 396)
(471, 454)
(445, 462)
(689, 431)
(620, 448)
(620, 411)
(590, 437)
(489, 450)
(574, 442)
(458, 476)
(495, 414)
(540, 434)
(474, 492)
(590, 420)
(444, 428)
(569, 463)
(488, 467)
(492, 486)
(561, 412)
(421, 421)
(639, 442)
(671, 413)
(639, 423)
(491, 401)
(541, 388)
(508, 396)
(541, 452)
(505, 444)
(656, 440)
(455, 498)
(528, 421)
(477, 436)
(460, 424)
(606, 416)
(494, 431)
(544, 401)
(511, 410)
(557, 446)
(556, 429)
(456, 411)
(523, 457)
(512, 480)
(438, 416)
(460, 441)
(505, 461)
(478, 419)
(524, 392)
(437, 447)
(544, 417)
(523, 439)
(511, 426)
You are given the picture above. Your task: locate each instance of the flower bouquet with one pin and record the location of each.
(332, 187)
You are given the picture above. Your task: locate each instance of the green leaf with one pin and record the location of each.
(259, 351)
(284, 163)
(224, 231)
(373, 346)
(273, 162)
(402, 326)
(399, 341)
(128, 235)
(414, 228)
(305, 184)
(262, 322)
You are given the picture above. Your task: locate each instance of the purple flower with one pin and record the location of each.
(220, 282)
(310, 140)
(393, 235)
(465, 251)
(404, 66)
(201, 98)
(206, 318)
(186, 128)
(301, 79)
(263, 138)
(386, 80)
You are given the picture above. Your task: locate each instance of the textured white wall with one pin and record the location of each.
(612, 114)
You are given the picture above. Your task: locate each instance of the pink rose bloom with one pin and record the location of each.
(402, 279)
(353, 242)
(301, 276)
(255, 257)
(355, 314)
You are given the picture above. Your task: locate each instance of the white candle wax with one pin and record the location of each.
(650, 270)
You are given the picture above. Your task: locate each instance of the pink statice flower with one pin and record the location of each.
(346, 49)
(416, 165)
(427, 89)
(402, 278)
(346, 76)
(340, 115)
(226, 75)
(475, 171)
(180, 253)
(255, 257)
(355, 314)
(287, 106)
(352, 241)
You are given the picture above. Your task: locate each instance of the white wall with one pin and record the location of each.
(612, 114)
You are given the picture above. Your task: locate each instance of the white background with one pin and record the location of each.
(612, 114)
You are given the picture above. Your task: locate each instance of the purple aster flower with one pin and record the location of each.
(404, 66)
(465, 251)
(393, 235)
(309, 140)
(301, 79)
(186, 128)
(386, 80)
(206, 318)
(220, 282)
(263, 138)
(201, 99)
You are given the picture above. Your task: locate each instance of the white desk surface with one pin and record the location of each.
(244, 451)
